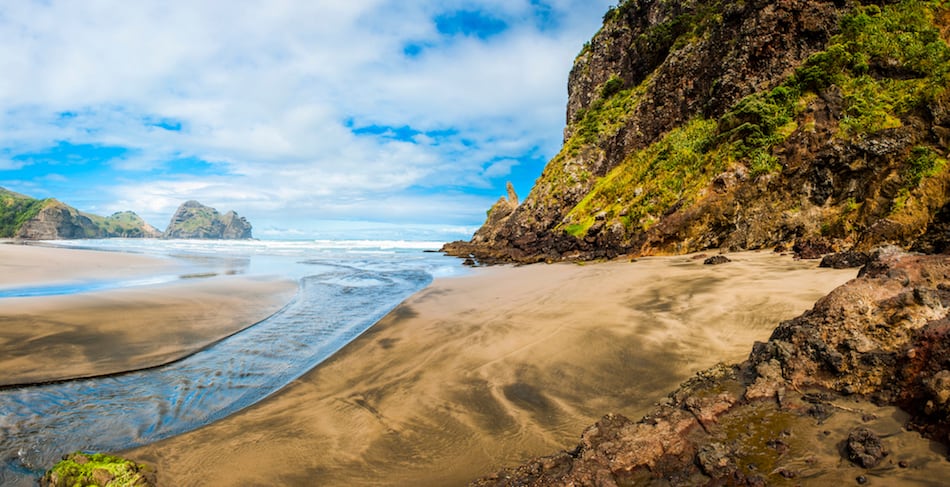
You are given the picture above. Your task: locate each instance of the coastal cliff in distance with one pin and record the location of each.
(697, 125)
(27, 218)
(49, 219)
(194, 220)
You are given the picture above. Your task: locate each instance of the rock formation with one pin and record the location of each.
(816, 126)
(194, 220)
(32, 219)
(696, 125)
(80, 469)
(884, 336)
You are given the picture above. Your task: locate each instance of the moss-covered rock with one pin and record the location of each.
(80, 470)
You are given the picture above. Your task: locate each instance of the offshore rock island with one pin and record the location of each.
(194, 220)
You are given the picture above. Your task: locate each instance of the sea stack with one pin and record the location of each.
(195, 220)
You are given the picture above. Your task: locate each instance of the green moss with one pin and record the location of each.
(578, 229)
(79, 469)
(924, 163)
(749, 430)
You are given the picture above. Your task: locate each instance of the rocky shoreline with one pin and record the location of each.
(880, 340)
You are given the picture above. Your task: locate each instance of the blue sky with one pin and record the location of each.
(312, 118)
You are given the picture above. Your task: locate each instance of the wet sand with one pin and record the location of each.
(50, 338)
(487, 370)
(28, 265)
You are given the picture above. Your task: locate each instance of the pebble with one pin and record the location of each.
(862, 479)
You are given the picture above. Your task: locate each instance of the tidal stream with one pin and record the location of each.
(336, 302)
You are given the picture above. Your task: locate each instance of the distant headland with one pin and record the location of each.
(24, 217)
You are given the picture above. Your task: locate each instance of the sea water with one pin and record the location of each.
(344, 288)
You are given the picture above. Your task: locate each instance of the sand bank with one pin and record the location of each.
(60, 337)
(27, 265)
(486, 370)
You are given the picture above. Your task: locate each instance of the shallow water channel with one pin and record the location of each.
(335, 303)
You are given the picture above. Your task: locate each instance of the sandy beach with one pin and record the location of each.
(26, 265)
(486, 370)
(50, 338)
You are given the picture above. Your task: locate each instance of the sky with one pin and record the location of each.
(311, 118)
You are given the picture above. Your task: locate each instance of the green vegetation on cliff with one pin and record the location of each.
(15, 210)
(651, 181)
(30, 218)
(888, 63)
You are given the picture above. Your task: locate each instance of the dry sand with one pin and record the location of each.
(60, 337)
(483, 371)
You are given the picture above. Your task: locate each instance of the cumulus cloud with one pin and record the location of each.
(377, 110)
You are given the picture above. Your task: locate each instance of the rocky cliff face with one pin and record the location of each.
(33, 219)
(58, 221)
(194, 220)
(742, 125)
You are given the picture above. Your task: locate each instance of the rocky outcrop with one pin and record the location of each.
(882, 337)
(194, 220)
(694, 125)
(58, 221)
(81, 469)
(127, 224)
(55, 221)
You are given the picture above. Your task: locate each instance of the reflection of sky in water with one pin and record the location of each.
(343, 291)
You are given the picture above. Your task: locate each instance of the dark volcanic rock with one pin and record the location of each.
(864, 448)
(655, 67)
(811, 248)
(716, 260)
(844, 260)
(194, 220)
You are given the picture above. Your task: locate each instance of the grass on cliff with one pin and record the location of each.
(924, 163)
(650, 182)
(888, 62)
(15, 210)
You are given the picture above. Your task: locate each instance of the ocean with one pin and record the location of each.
(345, 286)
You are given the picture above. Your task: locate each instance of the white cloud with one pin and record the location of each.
(266, 91)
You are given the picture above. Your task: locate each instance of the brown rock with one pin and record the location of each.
(864, 448)
(716, 260)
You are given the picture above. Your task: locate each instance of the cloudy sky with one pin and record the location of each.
(312, 118)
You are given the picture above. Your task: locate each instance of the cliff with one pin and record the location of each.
(744, 125)
(194, 220)
(48, 219)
